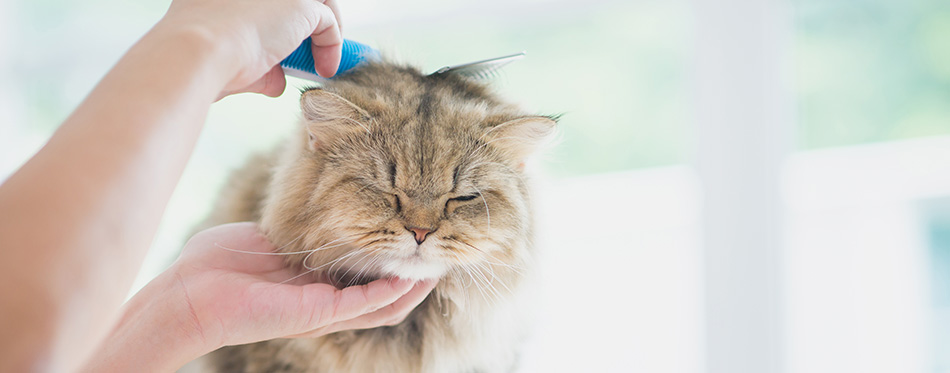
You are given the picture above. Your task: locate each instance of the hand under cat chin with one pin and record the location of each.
(411, 268)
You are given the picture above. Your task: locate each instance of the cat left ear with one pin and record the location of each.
(329, 116)
(521, 137)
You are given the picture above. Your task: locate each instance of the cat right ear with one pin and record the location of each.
(329, 117)
(520, 137)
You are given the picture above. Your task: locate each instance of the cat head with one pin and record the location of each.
(396, 173)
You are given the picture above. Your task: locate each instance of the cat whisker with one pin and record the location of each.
(362, 270)
(470, 283)
(459, 269)
(346, 271)
(488, 283)
(488, 264)
(483, 287)
(310, 270)
(297, 276)
(328, 245)
(478, 286)
(487, 212)
(499, 261)
(495, 278)
(340, 259)
(473, 247)
(307, 259)
(513, 267)
(362, 249)
(275, 252)
(460, 275)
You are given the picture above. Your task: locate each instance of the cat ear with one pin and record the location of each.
(521, 137)
(329, 116)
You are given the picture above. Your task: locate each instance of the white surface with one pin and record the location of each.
(743, 133)
(858, 293)
(620, 288)
(622, 285)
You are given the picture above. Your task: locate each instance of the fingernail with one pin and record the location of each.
(402, 282)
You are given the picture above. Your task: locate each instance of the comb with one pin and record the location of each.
(481, 70)
(300, 63)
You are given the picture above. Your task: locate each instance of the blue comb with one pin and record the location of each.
(300, 63)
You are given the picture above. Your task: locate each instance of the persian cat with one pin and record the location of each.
(396, 173)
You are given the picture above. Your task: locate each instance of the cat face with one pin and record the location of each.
(405, 178)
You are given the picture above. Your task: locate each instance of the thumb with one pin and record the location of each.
(272, 84)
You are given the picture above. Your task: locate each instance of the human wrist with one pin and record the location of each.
(156, 332)
(212, 53)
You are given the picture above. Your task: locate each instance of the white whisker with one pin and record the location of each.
(218, 245)
(496, 279)
(488, 283)
(296, 277)
(487, 212)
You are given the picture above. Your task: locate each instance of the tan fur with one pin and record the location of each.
(331, 192)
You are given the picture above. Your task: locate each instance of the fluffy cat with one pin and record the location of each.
(396, 173)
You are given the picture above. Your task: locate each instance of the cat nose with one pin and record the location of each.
(420, 233)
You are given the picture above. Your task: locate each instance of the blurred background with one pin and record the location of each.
(739, 186)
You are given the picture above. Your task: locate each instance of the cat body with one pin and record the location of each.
(395, 173)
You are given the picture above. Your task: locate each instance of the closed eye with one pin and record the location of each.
(465, 198)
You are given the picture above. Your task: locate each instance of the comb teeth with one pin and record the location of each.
(481, 70)
(300, 62)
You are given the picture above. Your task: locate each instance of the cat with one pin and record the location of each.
(397, 173)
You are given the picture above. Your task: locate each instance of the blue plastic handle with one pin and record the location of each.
(302, 59)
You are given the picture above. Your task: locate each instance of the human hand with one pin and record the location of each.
(254, 36)
(212, 297)
(237, 298)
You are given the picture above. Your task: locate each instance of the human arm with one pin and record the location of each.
(78, 218)
(212, 297)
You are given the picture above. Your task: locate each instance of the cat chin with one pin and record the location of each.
(407, 268)
(414, 269)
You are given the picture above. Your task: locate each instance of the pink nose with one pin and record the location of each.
(420, 233)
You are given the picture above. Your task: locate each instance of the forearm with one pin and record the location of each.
(156, 332)
(91, 199)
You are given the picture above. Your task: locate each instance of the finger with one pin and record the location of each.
(353, 301)
(272, 84)
(335, 8)
(327, 42)
(391, 314)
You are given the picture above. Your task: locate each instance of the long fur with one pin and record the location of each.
(381, 150)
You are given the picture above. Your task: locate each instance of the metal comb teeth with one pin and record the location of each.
(481, 70)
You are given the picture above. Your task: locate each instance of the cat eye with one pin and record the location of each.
(455, 201)
(396, 203)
